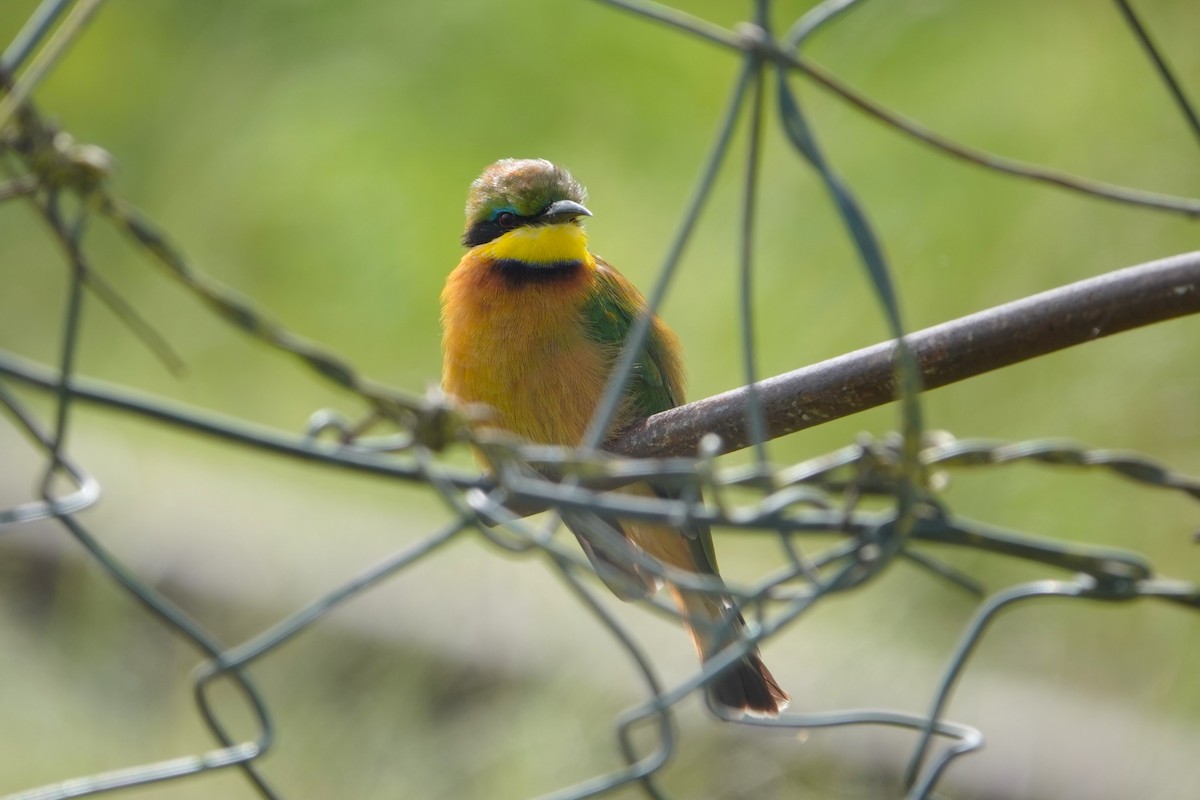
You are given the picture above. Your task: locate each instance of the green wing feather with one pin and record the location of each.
(657, 380)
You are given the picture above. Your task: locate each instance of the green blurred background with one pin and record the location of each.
(315, 155)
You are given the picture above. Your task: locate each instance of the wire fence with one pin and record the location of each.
(879, 495)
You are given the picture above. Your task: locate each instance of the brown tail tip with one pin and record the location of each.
(749, 687)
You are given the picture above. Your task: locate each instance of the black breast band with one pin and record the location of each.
(521, 273)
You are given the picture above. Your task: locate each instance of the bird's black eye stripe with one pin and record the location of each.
(484, 231)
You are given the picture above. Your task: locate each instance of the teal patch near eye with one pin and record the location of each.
(499, 211)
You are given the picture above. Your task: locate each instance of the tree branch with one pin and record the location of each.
(946, 353)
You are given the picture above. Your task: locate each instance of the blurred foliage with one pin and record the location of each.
(315, 156)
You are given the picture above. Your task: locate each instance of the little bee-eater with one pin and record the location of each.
(533, 325)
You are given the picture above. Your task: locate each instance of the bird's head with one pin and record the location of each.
(526, 209)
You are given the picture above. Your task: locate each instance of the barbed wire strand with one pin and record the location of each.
(1083, 586)
(636, 339)
(87, 487)
(32, 32)
(240, 755)
(1160, 65)
(820, 471)
(750, 37)
(71, 27)
(755, 417)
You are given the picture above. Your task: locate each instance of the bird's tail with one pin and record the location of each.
(746, 685)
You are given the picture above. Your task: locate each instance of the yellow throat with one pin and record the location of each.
(539, 244)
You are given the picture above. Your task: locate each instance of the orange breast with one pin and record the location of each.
(520, 347)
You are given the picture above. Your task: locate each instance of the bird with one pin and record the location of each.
(532, 326)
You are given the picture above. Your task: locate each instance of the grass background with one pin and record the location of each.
(315, 155)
